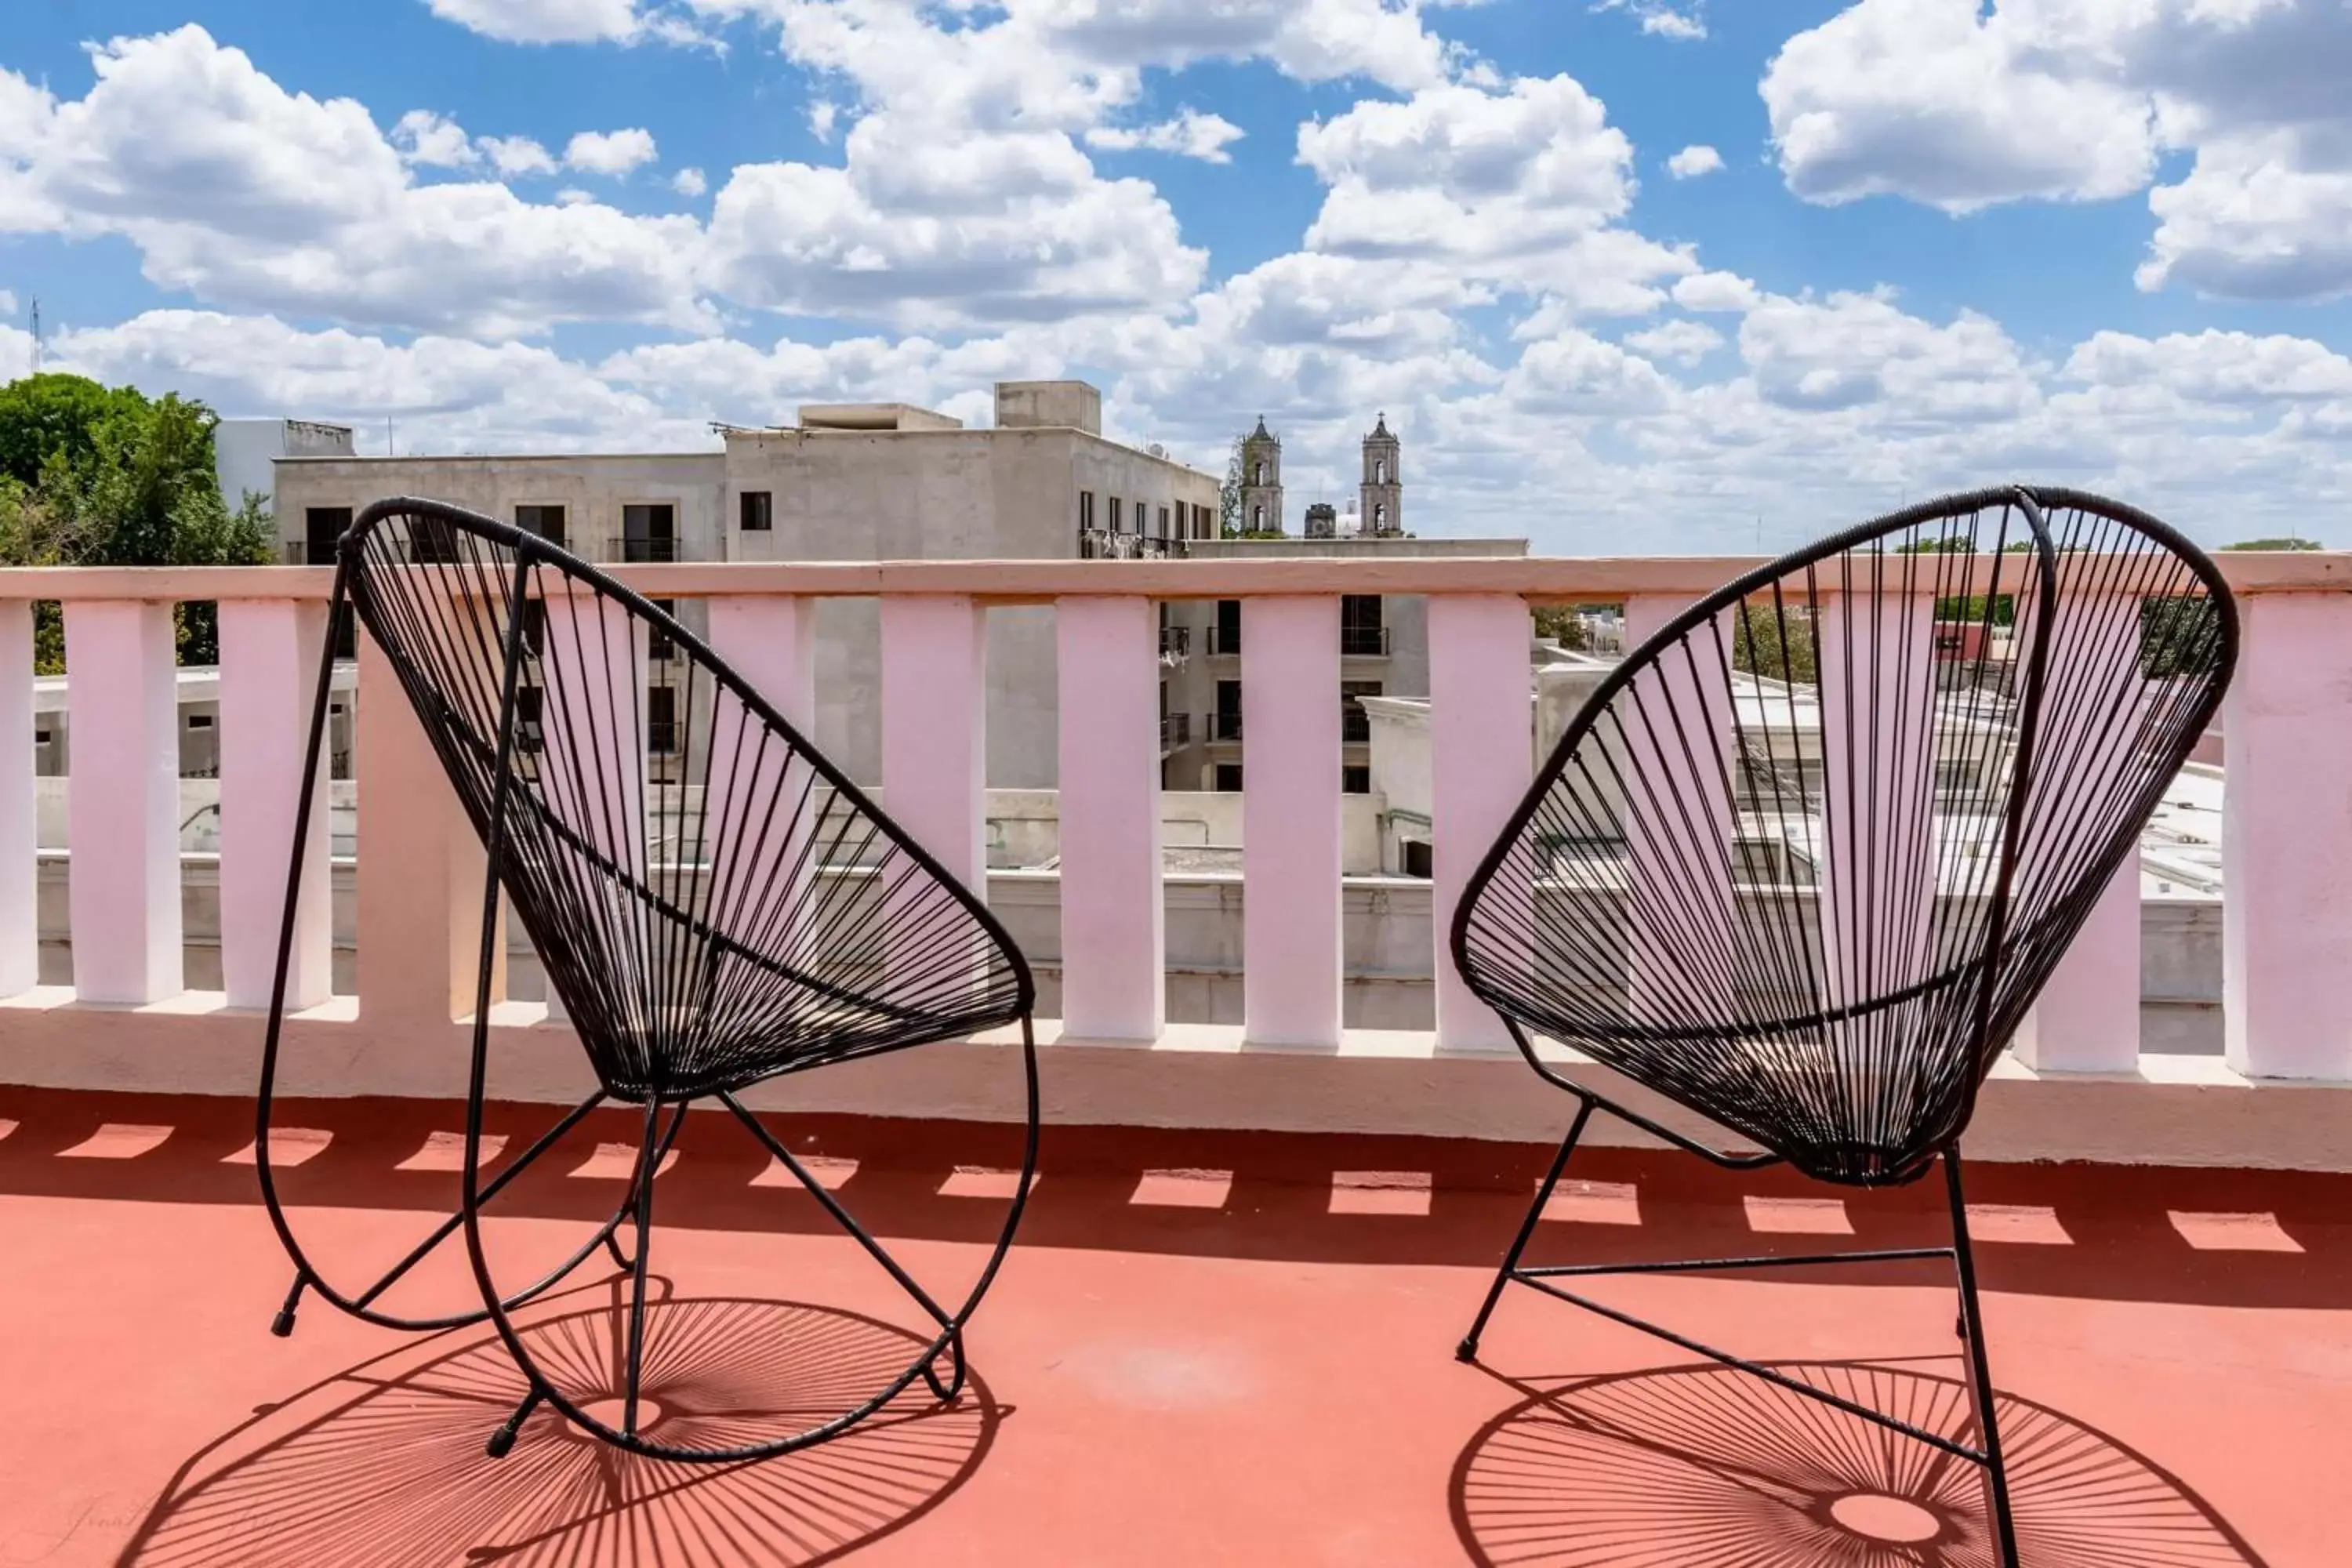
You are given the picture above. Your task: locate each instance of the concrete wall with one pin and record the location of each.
(245, 451)
(591, 488)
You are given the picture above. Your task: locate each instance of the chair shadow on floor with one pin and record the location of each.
(1698, 1466)
(383, 1466)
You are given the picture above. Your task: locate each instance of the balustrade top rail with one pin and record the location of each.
(1538, 579)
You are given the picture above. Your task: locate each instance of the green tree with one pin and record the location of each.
(2285, 541)
(43, 416)
(1562, 624)
(1774, 640)
(118, 481)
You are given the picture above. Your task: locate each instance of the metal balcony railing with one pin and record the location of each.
(1226, 727)
(639, 547)
(1363, 642)
(1175, 645)
(1175, 733)
(1225, 641)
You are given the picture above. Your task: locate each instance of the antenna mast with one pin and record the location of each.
(37, 334)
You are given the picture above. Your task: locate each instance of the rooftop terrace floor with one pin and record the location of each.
(1207, 1349)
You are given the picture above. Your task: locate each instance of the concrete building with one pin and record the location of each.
(245, 453)
(843, 482)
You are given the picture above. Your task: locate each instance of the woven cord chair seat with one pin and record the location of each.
(1805, 858)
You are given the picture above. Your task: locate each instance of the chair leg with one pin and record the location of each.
(1980, 1370)
(651, 1149)
(1468, 1349)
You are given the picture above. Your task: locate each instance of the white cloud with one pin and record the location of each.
(1457, 171)
(1854, 349)
(517, 155)
(1665, 19)
(546, 21)
(823, 117)
(1928, 100)
(689, 182)
(614, 152)
(1191, 134)
(1694, 161)
(240, 192)
(7, 303)
(434, 141)
(1963, 104)
(989, 228)
(1716, 291)
(1683, 341)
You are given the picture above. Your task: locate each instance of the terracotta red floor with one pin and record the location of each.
(1207, 1349)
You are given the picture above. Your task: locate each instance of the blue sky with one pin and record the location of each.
(1640, 275)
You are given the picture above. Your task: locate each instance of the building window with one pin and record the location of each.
(1355, 724)
(547, 522)
(1116, 511)
(1163, 523)
(1229, 778)
(1225, 725)
(534, 624)
(530, 732)
(1257, 519)
(1355, 781)
(321, 527)
(1416, 857)
(431, 539)
(1379, 517)
(1261, 472)
(1361, 636)
(757, 511)
(661, 721)
(657, 638)
(1380, 471)
(200, 720)
(1225, 635)
(1087, 510)
(649, 533)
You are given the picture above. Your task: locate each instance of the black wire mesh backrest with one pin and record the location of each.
(713, 902)
(1804, 860)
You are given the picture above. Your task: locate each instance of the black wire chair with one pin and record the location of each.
(1803, 861)
(748, 913)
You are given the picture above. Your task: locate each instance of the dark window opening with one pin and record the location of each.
(658, 642)
(1360, 632)
(547, 522)
(1227, 633)
(649, 533)
(200, 720)
(661, 721)
(1229, 778)
(531, 734)
(534, 625)
(1226, 723)
(1116, 509)
(1415, 853)
(1355, 724)
(1087, 510)
(757, 510)
(321, 527)
(431, 539)
(1355, 781)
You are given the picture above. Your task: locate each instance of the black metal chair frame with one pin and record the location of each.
(2065, 919)
(656, 1139)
